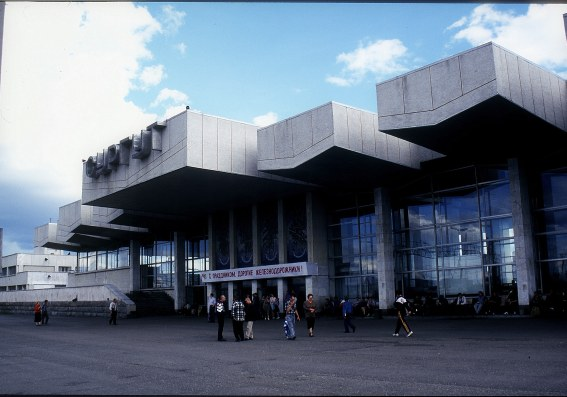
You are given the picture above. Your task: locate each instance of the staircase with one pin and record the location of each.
(152, 303)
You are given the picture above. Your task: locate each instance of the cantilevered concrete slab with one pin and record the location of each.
(191, 165)
(486, 101)
(339, 146)
(82, 227)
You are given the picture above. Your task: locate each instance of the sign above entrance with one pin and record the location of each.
(257, 272)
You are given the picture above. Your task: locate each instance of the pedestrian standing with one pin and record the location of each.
(402, 309)
(212, 309)
(37, 313)
(347, 315)
(250, 315)
(44, 313)
(220, 312)
(238, 318)
(290, 315)
(113, 312)
(310, 308)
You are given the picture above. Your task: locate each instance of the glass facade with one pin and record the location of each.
(91, 261)
(352, 246)
(196, 260)
(157, 265)
(551, 227)
(453, 233)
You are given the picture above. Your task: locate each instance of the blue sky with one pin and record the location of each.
(77, 77)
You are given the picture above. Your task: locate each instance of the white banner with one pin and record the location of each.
(257, 272)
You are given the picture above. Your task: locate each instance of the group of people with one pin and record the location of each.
(41, 313)
(249, 311)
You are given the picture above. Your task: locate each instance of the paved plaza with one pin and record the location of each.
(180, 355)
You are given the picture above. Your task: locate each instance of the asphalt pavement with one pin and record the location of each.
(178, 355)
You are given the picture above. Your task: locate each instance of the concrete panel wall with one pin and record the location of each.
(220, 144)
(117, 277)
(436, 92)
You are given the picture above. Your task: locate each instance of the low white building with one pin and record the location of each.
(45, 268)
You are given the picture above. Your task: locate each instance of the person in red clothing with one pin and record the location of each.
(37, 313)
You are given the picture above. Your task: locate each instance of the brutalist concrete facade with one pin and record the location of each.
(174, 179)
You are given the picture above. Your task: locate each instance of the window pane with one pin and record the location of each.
(553, 221)
(466, 281)
(495, 200)
(463, 233)
(499, 252)
(553, 246)
(457, 206)
(554, 185)
(497, 228)
(459, 255)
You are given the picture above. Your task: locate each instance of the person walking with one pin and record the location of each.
(401, 306)
(347, 316)
(113, 312)
(310, 308)
(212, 305)
(238, 316)
(250, 315)
(290, 315)
(220, 312)
(44, 313)
(37, 313)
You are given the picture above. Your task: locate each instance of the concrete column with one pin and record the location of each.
(179, 264)
(385, 249)
(281, 292)
(317, 246)
(524, 235)
(232, 239)
(134, 265)
(282, 235)
(230, 296)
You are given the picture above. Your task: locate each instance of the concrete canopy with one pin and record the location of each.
(196, 165)
(483, 102)
(337, 146)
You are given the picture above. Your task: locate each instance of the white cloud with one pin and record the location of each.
(381, 58)
(172, 19)
(538, 36)
(181, 48)
(173, 96)
(152, 76)
(64, 84)
(265, 119)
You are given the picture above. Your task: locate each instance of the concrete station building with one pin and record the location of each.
(457, 185)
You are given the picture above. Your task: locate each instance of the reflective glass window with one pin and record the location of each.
(553, 246)
(497, 228)
(417, 283)
(459, 233)
(456, 206)
(459, 255)
(554, 186)
(466, 281)
(499, 251)
(553, 221)
(495, 200)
